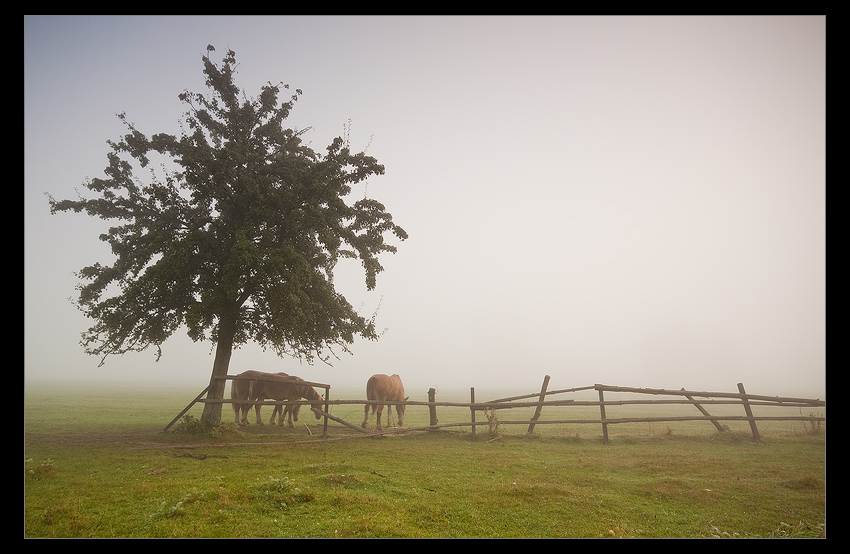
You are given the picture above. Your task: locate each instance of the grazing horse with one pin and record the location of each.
(385, 388)
(297, 391)
(254, 390)
(282, 411)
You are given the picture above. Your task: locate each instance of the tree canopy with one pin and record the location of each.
(236, 238)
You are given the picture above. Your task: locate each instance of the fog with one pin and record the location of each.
(634, 201)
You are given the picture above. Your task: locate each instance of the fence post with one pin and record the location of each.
(472, 408)
(602, 412)
(432, 408)
(186, 409)
(749, 412)
(539, 405)
(327, 411)
(705, 413)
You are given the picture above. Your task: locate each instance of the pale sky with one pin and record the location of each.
(634, 201)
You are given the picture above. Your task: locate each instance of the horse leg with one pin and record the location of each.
(257, 410)
(240, 413)
(238, 407)
(380, 413)
(240, 417)
(390, 415)
(285, 415)
(366, 415)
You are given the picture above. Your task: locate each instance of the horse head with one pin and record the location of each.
(399, 409)
(316, 404)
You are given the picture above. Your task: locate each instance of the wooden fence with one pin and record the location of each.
(741, 398)
(543, 399)
(267, 377)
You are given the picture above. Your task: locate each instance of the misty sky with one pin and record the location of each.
(635, 201)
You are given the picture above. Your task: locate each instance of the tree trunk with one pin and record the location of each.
(221, 364)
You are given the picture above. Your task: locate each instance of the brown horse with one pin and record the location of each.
(297, 391)
(282, 411)
(254, 390)
(385, 388)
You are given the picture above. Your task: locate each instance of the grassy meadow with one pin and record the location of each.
(96, 464)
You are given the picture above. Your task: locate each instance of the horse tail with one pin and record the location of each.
(370, 395)
(235, 394)
(255, 389)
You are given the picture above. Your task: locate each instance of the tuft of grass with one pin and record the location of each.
(278, 494)
(494, 431)
(168, 510)
(39, 470)
(802, 529)
(812, 427)
(190, 425)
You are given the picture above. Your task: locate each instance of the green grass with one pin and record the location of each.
(97, 465)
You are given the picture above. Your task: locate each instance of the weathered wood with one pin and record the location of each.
(491, 405)
(432, 407)
(602, 414)
(339, 420)
(327, 409)
(705, 413)
(707, 394)
(687, 396)
(749, 412)
(472, 408)
(613, 421)
(532, 395)
(186, 409)
(536, 415)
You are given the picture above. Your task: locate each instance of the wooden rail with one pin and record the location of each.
(543, 400)
(741, 398)
(267, 377)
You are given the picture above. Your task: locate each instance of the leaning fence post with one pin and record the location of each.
(602, 413)
(327, 410)
(472, 408)
(749, 412)
(705, 413)
(186, 409)
(432, 408)
(539, 405)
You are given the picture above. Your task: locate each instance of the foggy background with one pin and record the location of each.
(634, 201)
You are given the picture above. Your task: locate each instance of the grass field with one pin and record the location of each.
(97, 465)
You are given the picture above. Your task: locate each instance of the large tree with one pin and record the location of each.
(235, 237)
